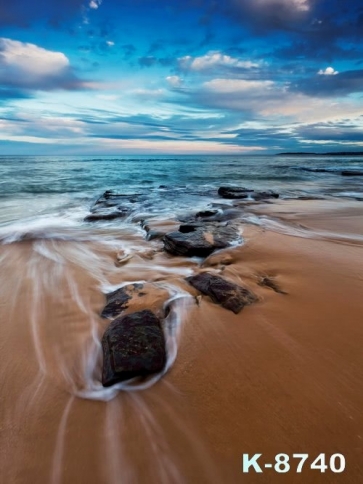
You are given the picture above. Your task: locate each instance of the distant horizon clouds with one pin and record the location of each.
(181, 77)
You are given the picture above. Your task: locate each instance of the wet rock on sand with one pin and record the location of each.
(227, 294)
(241, 192)
(200, 239)
(133, 346)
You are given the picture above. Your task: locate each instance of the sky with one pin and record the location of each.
(180, 76)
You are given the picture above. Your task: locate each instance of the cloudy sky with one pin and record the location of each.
(180, 76)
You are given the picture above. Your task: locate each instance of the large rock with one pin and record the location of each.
(227, 294)
(133, 346)
(241, 192)
(200, 239)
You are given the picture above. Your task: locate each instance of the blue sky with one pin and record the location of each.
(191, 76)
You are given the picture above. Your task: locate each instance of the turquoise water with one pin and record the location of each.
(63, 188)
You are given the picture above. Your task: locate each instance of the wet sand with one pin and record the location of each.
(284, 375)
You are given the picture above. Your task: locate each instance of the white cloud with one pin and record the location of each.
(94, 4)
(329, 71)
(237, 85)
(212, 60)
(299, 5)
(173, 146)
(30, 60)
(174, 81)
(147, 94)
(108, 97)
(28, 66)
(110, 43)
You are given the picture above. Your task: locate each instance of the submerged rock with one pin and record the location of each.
(206, 213)
(227, 294)
(106, 215)
(241, 192)
(200, 239)
(133, 346)
(352, 173)
(234, 192)
(111, 205)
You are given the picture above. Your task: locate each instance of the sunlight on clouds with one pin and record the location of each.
(299, 5)
(173, 146)
(29, 59)
(174, 81)
(302, 5)
(329, 71)
(213, 59)
(236, 85)
(94, 4)
(302, 108)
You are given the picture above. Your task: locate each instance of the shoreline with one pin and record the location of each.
(282, 376)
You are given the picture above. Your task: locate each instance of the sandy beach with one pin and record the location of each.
(282, 376)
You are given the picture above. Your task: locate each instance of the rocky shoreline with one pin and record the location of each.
(134, 342)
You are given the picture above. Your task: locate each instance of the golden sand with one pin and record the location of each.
(283, 376)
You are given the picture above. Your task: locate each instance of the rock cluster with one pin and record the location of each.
(110, 206)
(241, 192)
(134, 343)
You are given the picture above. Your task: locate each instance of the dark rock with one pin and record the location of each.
(111, 199)
(163, 186)
(103, 205)
(351, 173)
(314, 170)
(240, 192)
(106, 215)
(264, 195)
(191, 227)
(227, 294)
(206, 213)
(154, 234)
(107, 207)
(234, 192)
(133, 346)
(151, 234)
(200, 239)
(107, 194)
(117, 300)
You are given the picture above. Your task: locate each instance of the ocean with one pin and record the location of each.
(38, 191)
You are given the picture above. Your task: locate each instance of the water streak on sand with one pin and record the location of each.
(298, 230)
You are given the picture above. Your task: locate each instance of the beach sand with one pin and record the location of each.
(283, 376)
